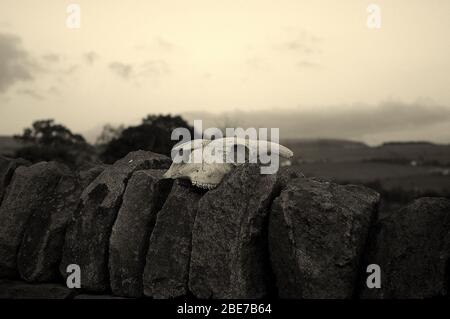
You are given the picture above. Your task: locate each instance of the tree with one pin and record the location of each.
(46, 132)
(109, 132)
(154, 134)
(46, 141)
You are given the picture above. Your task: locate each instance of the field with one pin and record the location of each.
(327, 150)
(401, 172)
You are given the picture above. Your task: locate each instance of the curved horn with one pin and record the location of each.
(283, 151)
(191, 145)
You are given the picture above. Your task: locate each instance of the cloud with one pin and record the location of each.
(68, 70)
(54, 90)
(307, 64)
(121, 69)
(149, 68)
(18, 65)
(90, 57)
(256, 63)
(30, 93)
(15, 64)
(360, 122)
(153, 67)
(304, 43)
(157, 44)
(298, 46)
(51, 58)
(164, 44)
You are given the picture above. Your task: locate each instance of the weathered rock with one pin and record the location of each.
(167, 268)
(42, 244)
(287, 173)
(412, 248)
(317, 232)
(87, 296)
(88, 175)
(31, 191)
(7, 168)
(144, 196)
(10, 289)
(229, 242)
(87, 237)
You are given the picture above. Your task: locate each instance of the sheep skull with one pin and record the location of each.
(206, 162)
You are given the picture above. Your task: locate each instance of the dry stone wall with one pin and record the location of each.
(135, 234)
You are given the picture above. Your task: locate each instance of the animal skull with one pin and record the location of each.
(206, 162)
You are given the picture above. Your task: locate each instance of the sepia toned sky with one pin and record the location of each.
(308, 58)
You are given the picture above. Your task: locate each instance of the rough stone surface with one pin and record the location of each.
(287, 173)
(87, 238)
(30, 192)
(412, 248)
(167, 268)
(317, 232)
(41, 249)
(20, 290)
(88, 175)
(229, 242)
(144, 196)
(86, 296)
(7, 168)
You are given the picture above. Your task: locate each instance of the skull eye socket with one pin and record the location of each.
(184, 154)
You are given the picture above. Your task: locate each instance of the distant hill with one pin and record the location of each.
(408, 169)
(325, 142)
(408, 143)
(336, 150)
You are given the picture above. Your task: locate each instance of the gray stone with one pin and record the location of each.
(7, 168)
(87, 237)
(167, 268)
(287, 173)
(144, 196)
(317, 232)
(412, 248)
(87, 296)
(31, 191)
(87, 176)
(20, 290)
(42, 244)
(229, 242)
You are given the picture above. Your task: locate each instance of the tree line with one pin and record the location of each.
(47, 140)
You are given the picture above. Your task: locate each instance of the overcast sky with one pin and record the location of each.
(132, 58)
